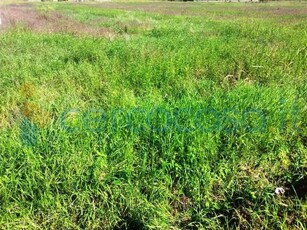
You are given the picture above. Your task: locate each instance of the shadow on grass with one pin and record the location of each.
(298, 188)
(130, 222)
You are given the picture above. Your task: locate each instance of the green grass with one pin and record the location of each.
(187, 115)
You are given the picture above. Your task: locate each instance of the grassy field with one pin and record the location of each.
(153, 116)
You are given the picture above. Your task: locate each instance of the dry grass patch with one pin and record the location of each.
(48, 22)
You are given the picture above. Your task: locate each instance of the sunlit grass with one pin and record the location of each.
(179, 117)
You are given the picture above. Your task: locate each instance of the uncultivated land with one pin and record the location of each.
(157, 115)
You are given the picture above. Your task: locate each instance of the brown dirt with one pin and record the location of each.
(51, 22)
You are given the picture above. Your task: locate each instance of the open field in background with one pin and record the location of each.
(153, 116)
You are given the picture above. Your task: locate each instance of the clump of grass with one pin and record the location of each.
(44, 11)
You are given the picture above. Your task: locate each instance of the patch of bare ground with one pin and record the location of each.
(51, 22)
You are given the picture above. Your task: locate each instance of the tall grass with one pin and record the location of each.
(175, 122)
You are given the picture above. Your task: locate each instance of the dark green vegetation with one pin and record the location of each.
(185, 116)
